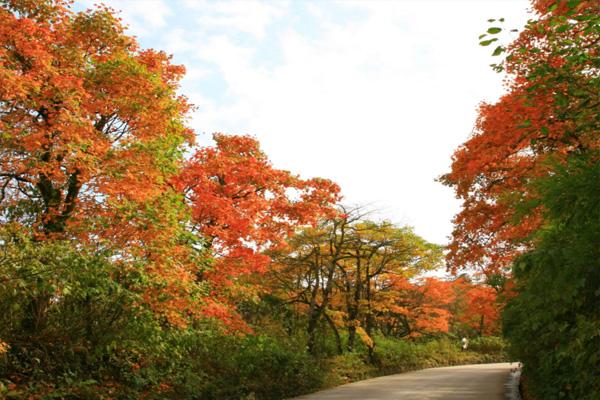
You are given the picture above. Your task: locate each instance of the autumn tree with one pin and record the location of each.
(482, 309)
(91, 133)
(417, 307)
(338, 269)
(243, 208)
(91, 124)
(528, 178)
(376, 251)
(548, 113)
(306, 272)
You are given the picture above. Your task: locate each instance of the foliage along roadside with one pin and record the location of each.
(130, 271)
(528, 179)
(97, 340)
(397, 356)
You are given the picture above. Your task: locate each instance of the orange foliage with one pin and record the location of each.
(481, 310)
(87, 119)
(92, 140)
(420, 307)
(514, 141)
(429, 306)
(92, 131)
(242, 206)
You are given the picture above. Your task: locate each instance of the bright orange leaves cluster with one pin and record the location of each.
(242, 206)
(430, 305)
(522, 136)
(88, 121)
(420, 307)
(482, 310)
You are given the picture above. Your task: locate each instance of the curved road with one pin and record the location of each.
(465, 382)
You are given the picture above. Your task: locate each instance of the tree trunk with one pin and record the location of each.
(351, 338)
(311, 330)
(336, 333)
(352, 317)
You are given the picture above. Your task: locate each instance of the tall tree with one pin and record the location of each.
(243, 208)
(377, 251)
(528, 181)
(91, 124)
(338, 270)
(548, 113)
(306, 271)
(91, 132)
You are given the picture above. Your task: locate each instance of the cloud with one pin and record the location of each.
(377, 105)
(375, 95)
(142, 17)
(247, 16)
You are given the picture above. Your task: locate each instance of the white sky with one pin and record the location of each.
(375, 95)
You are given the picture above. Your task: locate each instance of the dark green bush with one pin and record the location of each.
(253, 365)
(553, 324)
(75, 325)
(488, 344)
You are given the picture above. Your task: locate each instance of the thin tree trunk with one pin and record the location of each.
(336, 333)
(311, 330)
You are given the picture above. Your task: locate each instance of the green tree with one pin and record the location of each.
(558, 301)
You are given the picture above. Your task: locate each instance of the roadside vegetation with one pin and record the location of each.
(135, 264)
(529, 181)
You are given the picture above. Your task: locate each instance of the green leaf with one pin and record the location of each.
(494, 30)
(482, 36)
(487, 42)
(525, 124)
(499, 50)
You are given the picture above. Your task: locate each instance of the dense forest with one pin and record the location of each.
(135, 263)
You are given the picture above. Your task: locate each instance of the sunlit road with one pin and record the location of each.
(483, 382)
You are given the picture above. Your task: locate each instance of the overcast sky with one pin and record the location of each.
(373, 95)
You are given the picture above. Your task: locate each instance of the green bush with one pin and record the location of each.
(76, 330)
(393, 355)
(488, 344)
(74, 324)
(253, 366)
(348, 367)
(553, 324)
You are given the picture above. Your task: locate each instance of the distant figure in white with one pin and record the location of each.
(465, 343)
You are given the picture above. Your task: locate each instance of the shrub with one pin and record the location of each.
(553, 323)
(74, 324)
(253, 365)
(488, 344)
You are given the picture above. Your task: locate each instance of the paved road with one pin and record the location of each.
(466, 382)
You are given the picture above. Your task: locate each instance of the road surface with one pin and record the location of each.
(465, 382)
